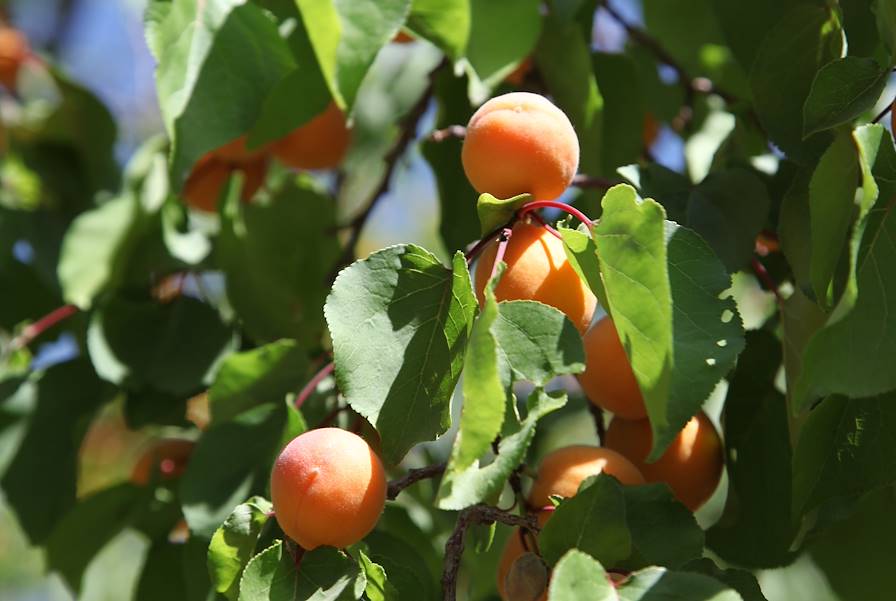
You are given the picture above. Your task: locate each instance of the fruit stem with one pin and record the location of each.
(886, 110)
(506, 234)
(546, 225)
(766, 278)
(311, 386)
(598, 414)
(529, 207)
(42, 325)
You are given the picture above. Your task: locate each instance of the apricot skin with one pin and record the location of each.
(562, 471)
(537, 269)
(319, 144)
(691, 466)
(520, 143)
(236, 151)
(14, 49)
(608, 380)
(203, 187)
(166, 460)
(513, 548)
(328, 487)
(518, 76)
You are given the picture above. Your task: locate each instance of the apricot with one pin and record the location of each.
(562, 471)
(537, 269)
(236, 151)
(166, 459)
(328, 487)
(514, 549)
(691, 466)
(608, 380)
(319, 144)
(518, 75)
(14, 49)
(650, 130)
(205, 183)
(520, 143)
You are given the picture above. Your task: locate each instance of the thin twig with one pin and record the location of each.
(407, 135)
(546, 225)
(529, 207)
(886, 110)
(311, 386)
(452, 131)
(586, 181)
(412, 477)
(30, 332)
(454, 548)
(503, 240)
(766, 278)
(598, 414)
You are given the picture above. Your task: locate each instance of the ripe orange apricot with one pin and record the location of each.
(328, 487)
(691, 466)
(608, 380)
(203, 188)
(14, 49)
(537, 269)
(513, 549)
(562, 471)
(236, 151)
(319, 144)
(520, 143)
(166, 459)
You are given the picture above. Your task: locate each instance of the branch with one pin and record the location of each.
(586, 181)
(766, 278)
(598, 415)
(42, 325)
(886, 110)
(311, 386)
(452, 131)
(412, 477)
(407, 135)
(454, 548)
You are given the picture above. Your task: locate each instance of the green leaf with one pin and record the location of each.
(659, 583)
(41, 479)
(378, 586)
(163, 574)
(86, 529)
(794, 228)
(669, 188)
(843, 90)
(564, 61)
(538, 342)
(96, 248)
(806, 38)
(846, 448)
(400, 323)
(445, 23)
(831, 193)
(592, 521)
(578, 576)
(346, 36)
(631, 247)
(728, 209)
(404, 561)
(478, 484)
(494, 212)
(502, 33)
(658, 281)
(218, 60)
(231, 460)
(868, 331)
(623, 115)
(233, 542)
(885, 10)
(325, 574)
(276, 254)
(756, 530)
(663, 531)
(171, 347)
(484, 397)
(264, 374)
(740, 580)
(458, 222)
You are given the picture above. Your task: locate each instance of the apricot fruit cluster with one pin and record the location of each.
(328, 487)
(321, 143)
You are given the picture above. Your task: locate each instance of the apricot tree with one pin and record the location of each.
(460, 299)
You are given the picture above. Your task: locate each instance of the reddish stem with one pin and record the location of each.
(546, 225)
(766, 278)
(553, 204)
(311, 386)
(42, 325)
(506, 233)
